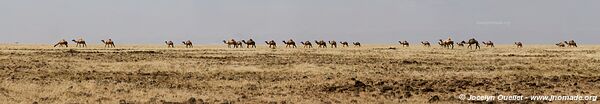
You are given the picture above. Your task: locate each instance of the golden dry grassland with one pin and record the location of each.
(216, 74)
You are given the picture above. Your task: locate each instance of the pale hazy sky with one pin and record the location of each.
(369, 21)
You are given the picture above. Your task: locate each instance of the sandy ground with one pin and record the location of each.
(216, 74)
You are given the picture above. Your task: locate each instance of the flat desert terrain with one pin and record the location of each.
(217, 74)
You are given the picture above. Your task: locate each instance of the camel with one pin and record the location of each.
(488, 44)
(560, 44)
(426, 43)
(344, 44)
(306, 44)
(461, 44)
(448, 43)
(188, 44)
(230, 43)
(404, 44)
(249, 43)
(356, 44)
(271, 44)
(333, 44)
(239, 44)
(321, 44)
(519, 44)
(571, 43)
(290, 43)
(109, 43)
(473, 41)
(170, 44)
(62, 43)
(80, 43)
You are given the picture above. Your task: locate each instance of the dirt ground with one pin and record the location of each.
(216, 74)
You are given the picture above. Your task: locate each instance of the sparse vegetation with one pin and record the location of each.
(216, 74)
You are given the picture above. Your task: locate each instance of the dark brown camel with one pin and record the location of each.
(250, 43)
(62, 43)
(290, 43)
(426, 43)
(333, 44)
(170, 44)
(447, 44)
(519, 44)
(271, 44)
(230, 43)
(356, 44)
(471, 42)
(488, 44)
(109, 43)
(322, 44)
(571, 43)
(404, 44)
(79, 43)
(239, 44)
(306, 44)
(188, 44)
(344, 44)
(461, 44)
(560, 44)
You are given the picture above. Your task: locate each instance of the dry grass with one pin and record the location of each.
(214, 74)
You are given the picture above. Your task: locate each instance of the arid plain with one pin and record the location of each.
(217, 74)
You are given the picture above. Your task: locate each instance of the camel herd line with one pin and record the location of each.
(288, 44)
(232, 43)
